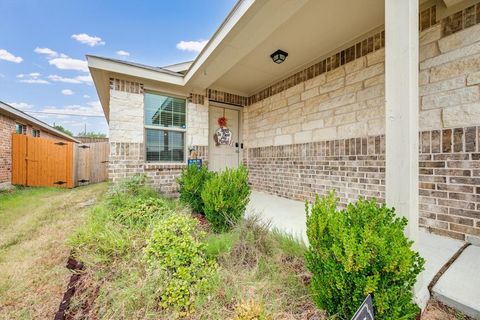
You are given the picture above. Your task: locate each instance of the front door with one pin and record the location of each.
(223, 144)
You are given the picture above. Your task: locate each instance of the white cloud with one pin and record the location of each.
(123, 53)
(67, 92)
(75, 80)
(86, 96)
(35, 81)
(195, 46)
(21, 105)
(88, 40)
(69, 64)
(32, 75)
(46, 51)
(92, 108)
(7, 56)
(32, 78)
(86, 79)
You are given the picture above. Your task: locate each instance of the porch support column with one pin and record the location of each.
(401, 95)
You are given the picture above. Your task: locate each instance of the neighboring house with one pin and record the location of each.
(353, 106)
(15, 121)
(91, 139)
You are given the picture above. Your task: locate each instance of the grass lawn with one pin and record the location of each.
(34, 223)
(258, 274)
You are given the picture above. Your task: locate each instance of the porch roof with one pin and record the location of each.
(237, 57)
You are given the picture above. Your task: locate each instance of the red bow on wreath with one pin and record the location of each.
(222, 121)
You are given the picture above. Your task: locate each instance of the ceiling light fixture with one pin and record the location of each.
(279, 56)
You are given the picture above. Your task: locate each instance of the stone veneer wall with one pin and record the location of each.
(303, 140)
(127, 148)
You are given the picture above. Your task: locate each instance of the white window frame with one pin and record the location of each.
(24, 128)
(146, 126)
(39, 132)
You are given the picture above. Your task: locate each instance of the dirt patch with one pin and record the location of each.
(34, 224)
(202, 221)
(437, 311)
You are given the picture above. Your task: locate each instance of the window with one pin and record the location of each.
(20, 128)
(165, 127)
(35, 133)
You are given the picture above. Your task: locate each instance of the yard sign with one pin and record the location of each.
(365, 312)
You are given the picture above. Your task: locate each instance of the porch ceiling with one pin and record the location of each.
(315, 30)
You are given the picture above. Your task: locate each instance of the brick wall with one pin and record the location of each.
(450, 182)
(298, 138)
(354, 167)
(127, 149)
(128, 159)
(7, 127)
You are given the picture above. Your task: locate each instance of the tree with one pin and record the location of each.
(92, 134)
(62, 129)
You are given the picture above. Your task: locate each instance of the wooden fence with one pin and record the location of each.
(45, 162)
(41, 162)
(91, 165)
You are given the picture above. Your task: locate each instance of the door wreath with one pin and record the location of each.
(223, 135)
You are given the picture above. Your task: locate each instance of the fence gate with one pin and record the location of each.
(41, 162)
(91, 162)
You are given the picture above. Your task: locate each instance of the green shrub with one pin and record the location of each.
(135, 186)
(175, 250)
(141, 211)
(359, 251)
(191, 184)
(225, 198)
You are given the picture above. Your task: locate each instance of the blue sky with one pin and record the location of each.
(43, 46)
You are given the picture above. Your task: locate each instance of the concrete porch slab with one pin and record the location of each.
(457, 285)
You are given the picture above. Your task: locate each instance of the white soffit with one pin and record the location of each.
(450, 3)
(311, 32)
(250, 24)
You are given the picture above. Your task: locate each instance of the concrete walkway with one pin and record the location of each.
(459, 287)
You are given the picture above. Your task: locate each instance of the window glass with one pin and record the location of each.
(164, 145)
(165, 121)
(20, 128)
(35, 132)
(164, 111)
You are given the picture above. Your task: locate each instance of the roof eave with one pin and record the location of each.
(12, 112)
(135, 71)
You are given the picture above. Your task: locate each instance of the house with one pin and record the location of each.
(374, 98)
(13, 120)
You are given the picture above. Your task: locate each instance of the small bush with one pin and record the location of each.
(225, 198)
(250, 310)
(191, 184)
(359, 251)
(135, 186)
(140, 212)
(175, 250)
